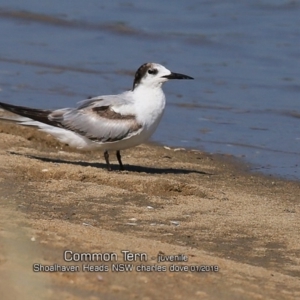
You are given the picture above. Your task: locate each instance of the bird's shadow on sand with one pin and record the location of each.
(130, 168)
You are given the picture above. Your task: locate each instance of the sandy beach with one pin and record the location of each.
(237, 232)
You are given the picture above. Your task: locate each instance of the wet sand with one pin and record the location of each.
(243, 226)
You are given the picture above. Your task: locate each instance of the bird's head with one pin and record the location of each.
(153, 75)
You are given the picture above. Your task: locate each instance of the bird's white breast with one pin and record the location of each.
(149, 106)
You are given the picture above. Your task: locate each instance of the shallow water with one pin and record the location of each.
(244, 56)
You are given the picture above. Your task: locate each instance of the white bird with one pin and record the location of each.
(110, 122)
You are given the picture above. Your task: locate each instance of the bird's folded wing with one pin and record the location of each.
(97, 123)
(94, 119)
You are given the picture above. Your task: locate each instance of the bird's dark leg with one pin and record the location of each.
(119, 160)
(106, 156)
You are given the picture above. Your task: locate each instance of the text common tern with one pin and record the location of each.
(109, 122)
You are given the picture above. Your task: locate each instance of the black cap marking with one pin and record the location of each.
(140, 73)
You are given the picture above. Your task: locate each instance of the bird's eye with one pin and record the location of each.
(152, 71)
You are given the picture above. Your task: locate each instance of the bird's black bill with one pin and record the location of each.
(177, 76)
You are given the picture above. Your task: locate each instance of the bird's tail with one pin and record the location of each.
(27, 114)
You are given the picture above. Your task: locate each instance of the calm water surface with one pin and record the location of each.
(244, 56)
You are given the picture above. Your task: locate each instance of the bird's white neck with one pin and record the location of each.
(149, 103)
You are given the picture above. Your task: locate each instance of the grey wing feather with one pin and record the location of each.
(96, 120)
(111, 100)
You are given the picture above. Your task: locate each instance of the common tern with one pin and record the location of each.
(109, 122)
